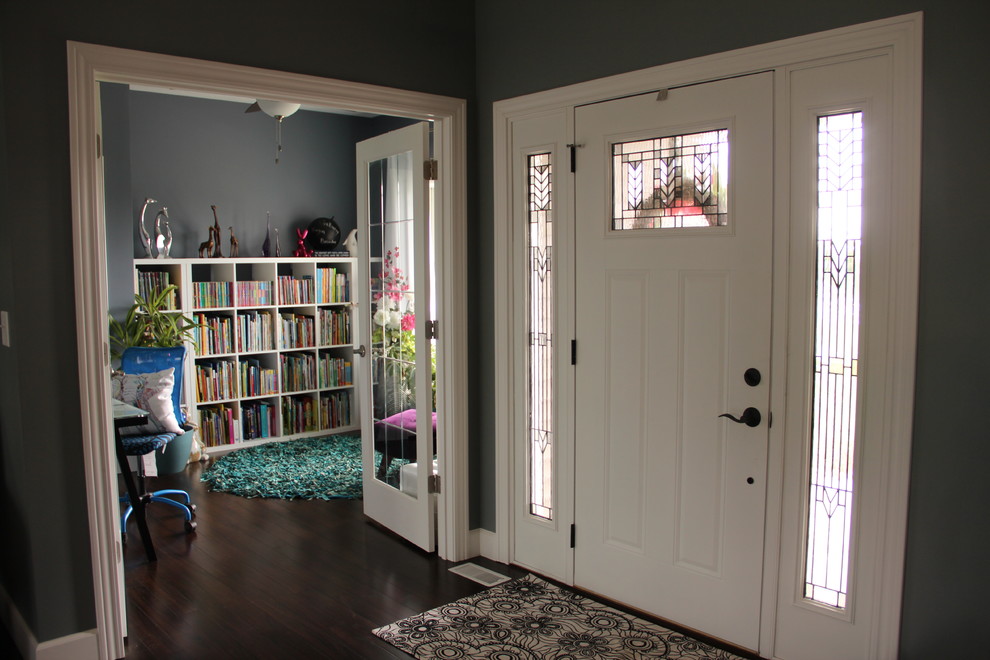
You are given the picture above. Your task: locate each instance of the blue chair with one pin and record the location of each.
(150, 360)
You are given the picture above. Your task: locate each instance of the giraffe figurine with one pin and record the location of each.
(234, 243)
(217, 236)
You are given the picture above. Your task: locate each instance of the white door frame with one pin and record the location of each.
(88, 65)
(900, 38)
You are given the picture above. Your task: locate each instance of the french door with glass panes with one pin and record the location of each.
(398, 425)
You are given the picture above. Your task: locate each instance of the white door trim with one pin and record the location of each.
(88, 65)
(901, 38)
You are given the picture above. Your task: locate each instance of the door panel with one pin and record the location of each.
(673, 242)
(398, 424)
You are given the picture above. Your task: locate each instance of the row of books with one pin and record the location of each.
(299, 415)
(216, 425)
(213, 294)
(217, 337)
(298, 331)
(257, 380)
(215, 380)
(254, 332)
(293, 291)
(151, 283)
(334, 372)
(335, 410)
(257, 420)
(298, 372)
(254, 294)
(332, 286)
(335, 327)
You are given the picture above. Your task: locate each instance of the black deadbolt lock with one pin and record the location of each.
(752, 377)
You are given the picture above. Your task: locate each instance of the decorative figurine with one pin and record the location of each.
(266, 247)
(234, 243)
(278, 247)
(217, 245)
(145, 237)
(301, 249)
(206, 247)
(163, 238)
(350, 243)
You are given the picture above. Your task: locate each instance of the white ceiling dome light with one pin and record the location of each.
(279, 110)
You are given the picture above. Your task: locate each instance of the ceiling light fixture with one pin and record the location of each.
(279, 110)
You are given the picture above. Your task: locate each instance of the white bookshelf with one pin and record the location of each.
(279, 362)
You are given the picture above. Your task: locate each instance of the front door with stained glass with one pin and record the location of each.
(673, 251)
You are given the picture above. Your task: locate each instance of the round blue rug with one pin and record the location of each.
(326, 468)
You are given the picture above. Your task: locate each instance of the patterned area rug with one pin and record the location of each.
(531, 619)
(313, 468)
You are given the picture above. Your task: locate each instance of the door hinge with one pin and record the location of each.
(99, 146)
(432, 329)
(574, 351)
(433, 484)
(430, 169)
(573, 148)
(572, 535)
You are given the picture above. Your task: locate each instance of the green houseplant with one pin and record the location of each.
(152, 322)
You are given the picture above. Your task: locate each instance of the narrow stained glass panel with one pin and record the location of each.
(671, 182)
(541, 322)
(836, 359)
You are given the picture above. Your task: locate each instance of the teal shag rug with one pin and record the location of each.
(326, 468)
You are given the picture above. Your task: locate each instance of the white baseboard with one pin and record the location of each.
(483, 543)
(16, 625)
(78, 646)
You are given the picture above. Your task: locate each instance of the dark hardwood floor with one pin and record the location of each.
(275, 579)
(280, 579)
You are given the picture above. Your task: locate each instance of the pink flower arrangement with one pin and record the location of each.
(394, 282)
(408, 322)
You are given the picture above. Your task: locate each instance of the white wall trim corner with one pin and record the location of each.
(88, 65)
(77, 646)
(18, 628)
(483, 543)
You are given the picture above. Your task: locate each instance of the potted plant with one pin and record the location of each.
(152, 322)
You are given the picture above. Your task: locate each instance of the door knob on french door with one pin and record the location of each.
(750, 417)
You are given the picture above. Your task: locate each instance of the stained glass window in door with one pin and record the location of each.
(541, 323)
(836, 359)
(671, 182)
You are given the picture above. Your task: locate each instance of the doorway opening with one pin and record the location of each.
(90, 65)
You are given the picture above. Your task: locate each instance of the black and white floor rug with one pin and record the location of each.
(529, 619)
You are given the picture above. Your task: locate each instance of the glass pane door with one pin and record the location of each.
(399, 421)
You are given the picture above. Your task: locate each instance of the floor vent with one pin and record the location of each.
(479, 574)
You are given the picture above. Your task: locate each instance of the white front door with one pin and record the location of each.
(398, 424)
(673, 316)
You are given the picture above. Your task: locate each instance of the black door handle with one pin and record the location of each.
(750, 417)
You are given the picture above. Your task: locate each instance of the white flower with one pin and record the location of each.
(381, 317)
(394, 320)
